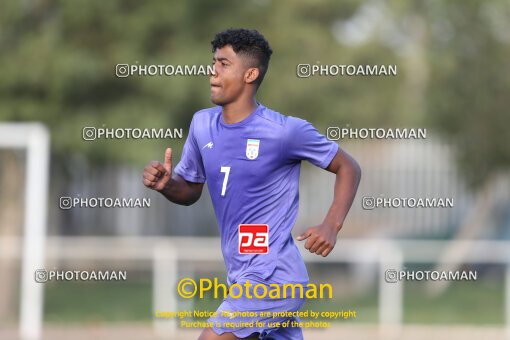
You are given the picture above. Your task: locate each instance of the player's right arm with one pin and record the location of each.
(176, 189)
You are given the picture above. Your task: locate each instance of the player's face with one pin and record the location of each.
(228, 80)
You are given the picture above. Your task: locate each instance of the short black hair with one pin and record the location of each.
(248, 43)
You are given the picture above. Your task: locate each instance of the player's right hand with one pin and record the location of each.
(156, 175)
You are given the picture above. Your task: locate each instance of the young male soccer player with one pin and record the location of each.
(250, 157)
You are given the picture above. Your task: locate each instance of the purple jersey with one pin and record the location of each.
(252, 172)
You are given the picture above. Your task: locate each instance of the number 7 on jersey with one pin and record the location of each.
(226, 170)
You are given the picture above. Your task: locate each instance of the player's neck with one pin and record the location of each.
(238, 111)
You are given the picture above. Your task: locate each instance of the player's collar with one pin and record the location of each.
(246, 120)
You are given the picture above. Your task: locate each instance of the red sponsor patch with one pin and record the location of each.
(253, 239)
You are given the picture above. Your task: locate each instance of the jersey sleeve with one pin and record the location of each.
(303, 142)
(191, 166)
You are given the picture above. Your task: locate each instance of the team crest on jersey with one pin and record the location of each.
(252, 148)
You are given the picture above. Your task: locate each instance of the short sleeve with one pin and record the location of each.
(303, 142)
(191, 167)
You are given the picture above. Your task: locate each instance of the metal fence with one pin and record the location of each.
(169, 254)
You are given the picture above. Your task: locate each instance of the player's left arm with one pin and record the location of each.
(321, 239)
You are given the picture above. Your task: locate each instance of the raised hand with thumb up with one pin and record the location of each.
(156, 175)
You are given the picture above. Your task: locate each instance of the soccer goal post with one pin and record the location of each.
(35, 139)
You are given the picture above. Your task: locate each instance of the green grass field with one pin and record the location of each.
(480, 302)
